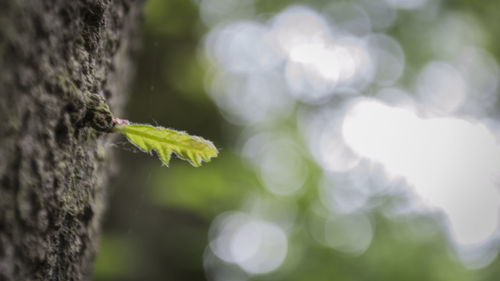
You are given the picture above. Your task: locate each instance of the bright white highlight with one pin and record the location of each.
(451, 163)
(298, 26)
(257, 246)
(317, 71)
(321, 129)
(264, 70)
(331, 62)
(314, 59)
(319, 61)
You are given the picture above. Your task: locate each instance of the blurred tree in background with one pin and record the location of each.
(296, 194)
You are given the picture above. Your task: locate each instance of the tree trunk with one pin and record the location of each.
(55, 55)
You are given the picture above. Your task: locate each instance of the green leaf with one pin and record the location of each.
(165, 141)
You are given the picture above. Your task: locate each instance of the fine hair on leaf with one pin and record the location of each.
(166, 141)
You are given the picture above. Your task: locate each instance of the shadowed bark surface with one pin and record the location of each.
(54, 55)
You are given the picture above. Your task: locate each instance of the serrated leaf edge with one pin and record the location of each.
(123, 129)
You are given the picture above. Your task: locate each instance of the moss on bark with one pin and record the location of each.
(53, 53)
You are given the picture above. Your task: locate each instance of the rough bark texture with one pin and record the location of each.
(54, 55)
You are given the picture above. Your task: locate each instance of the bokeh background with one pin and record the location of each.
(358, 141)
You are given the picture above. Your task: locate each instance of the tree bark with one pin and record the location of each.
(54, 56)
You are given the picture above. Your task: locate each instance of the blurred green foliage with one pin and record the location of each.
(158, 219)
(209, 192)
